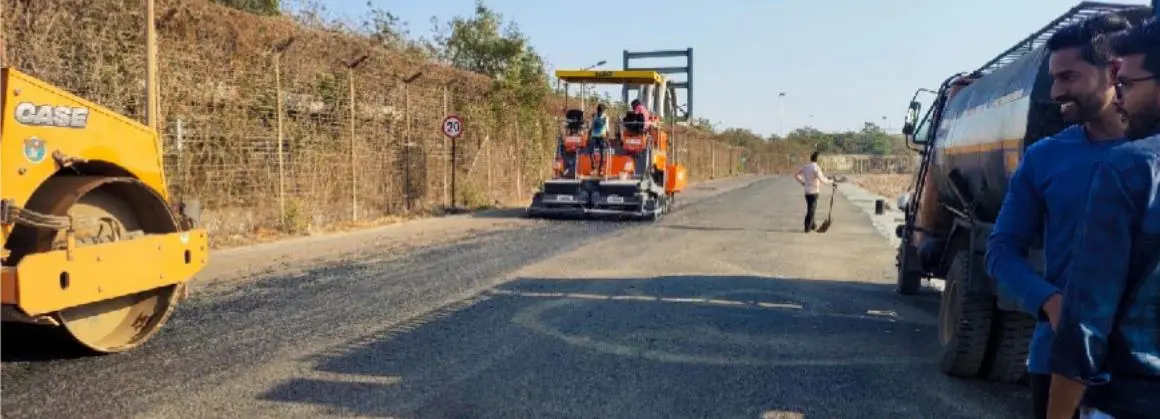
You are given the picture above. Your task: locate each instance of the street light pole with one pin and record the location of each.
(781, 110)
(584, 86)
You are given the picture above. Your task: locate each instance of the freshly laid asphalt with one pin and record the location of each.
(724, 309)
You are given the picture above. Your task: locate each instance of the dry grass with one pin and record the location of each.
(887, 185)
(219, 96)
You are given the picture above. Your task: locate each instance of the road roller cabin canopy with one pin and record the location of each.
(610, 77)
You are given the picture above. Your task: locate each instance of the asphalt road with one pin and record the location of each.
(724, 309)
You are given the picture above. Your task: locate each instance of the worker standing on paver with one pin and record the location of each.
(811, 177)
(1045, 196)
(1108, 335)
(598, 135)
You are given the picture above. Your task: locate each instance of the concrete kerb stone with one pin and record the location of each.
(864, 200)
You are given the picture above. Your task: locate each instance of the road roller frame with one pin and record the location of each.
(91, 240)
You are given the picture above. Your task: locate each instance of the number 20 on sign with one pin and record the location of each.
(452, 126)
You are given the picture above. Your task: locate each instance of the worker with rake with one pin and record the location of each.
(811, 177)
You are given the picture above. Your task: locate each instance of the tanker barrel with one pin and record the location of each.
(960, 188)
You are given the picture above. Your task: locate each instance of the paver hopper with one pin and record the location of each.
(640, 172)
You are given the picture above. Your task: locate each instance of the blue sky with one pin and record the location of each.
(840, 62)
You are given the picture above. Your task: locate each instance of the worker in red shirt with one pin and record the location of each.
(639, 108)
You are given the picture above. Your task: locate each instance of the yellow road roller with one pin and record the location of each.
(91, 241)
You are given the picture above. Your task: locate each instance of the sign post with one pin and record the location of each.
(452, 127)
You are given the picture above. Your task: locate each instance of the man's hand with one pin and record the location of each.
(1053, 307)
(1064, 397)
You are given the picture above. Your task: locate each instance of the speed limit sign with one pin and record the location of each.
(452, 126)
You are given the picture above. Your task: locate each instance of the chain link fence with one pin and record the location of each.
(861, 164)
(257, 119)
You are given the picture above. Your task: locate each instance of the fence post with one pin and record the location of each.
(281, 140)
(519, 161)
(353, 154)
(181, 166)
(487, 155)
(353, 162)
(713, 160)
(407, 148)
(486, 138)
(446, 201)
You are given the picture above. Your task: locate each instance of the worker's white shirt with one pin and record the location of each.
(813, 177)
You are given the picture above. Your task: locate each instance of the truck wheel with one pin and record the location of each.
(1010, 339)
(653, 202)
(964, 322)
(908, 282)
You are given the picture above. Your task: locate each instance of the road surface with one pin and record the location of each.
(724, 309)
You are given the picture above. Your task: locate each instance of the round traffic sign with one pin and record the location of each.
(452, 126)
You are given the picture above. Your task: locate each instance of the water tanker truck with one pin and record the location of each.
(971, 139)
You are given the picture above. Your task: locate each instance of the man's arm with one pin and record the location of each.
(1019, 224)
(800, 175)
(822, 177)
(1096, 281)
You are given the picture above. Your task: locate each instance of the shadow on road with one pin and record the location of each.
(679, 346)
(32, 343)
(716, 228)
(518, 212)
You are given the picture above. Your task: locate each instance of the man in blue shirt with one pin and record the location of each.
(598, 136)
(1108, 336)
(1046, 193)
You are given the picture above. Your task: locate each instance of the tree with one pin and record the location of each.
(741, 137)
(483, 45)
(702, 123)
(871, 139)
(386, 28)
